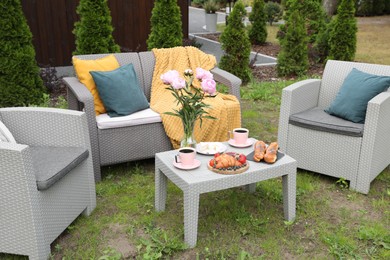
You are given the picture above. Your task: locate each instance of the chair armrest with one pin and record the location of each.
(296, 98)
(229, 80)
(47, 126)
(376, 142)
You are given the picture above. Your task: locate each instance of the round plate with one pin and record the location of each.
(210, 148)
(187, 167)
(249, 142)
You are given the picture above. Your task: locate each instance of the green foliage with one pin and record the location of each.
(321, 45)
(313, 14)
(20, 84)
(258, 31)
(211, 6)
(293, 56)
(342, 40)
(273, 12)
(236, 45)
(166, 26)
(93, 32)
(372, 7)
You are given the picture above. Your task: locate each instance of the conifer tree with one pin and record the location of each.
(166, 26)
(293, 56)
(258, 18)
(342, 39)
(20, 83)
(236, 45)
(93, 32)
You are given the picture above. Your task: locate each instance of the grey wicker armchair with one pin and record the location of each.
(130, 143)
(34, 211)
(356, 157)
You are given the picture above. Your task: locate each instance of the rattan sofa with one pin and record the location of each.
(32, 216)
(123, 144)
(358, 159)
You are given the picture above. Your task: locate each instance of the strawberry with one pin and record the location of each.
(211, 163)
(216, 155)
(242, 158)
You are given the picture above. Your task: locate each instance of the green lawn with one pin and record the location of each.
(331, 222)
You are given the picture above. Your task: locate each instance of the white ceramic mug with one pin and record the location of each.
(240, 135)
(186, 156)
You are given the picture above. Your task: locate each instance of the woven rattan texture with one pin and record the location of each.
(30, 219)
(357, 159)
(134, 142)
(202, 180)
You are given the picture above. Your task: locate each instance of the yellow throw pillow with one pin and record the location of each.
(83, 67)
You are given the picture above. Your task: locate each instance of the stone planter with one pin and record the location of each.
(211, 22)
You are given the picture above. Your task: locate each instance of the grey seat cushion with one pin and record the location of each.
(53, 163)
(317, 119)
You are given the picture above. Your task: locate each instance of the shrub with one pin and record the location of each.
(313, 14)
(93, 32)
(258, 31)
(236, 45)
(166, 26)
(211, 6)
(321, 45)
(342, 40)
(293, 57)
(273, 12)
(20, 84)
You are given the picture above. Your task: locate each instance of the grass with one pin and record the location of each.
(331, 222)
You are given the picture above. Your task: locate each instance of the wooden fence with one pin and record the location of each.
(52, 22)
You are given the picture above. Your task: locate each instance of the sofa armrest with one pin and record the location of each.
(296, 98)
(229, 80)
(375, 151)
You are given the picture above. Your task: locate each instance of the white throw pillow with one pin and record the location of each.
(5, 134)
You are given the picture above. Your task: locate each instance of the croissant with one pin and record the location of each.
(226, 161)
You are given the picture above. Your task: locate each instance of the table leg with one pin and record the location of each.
(289, 195)
(251, 188)
(191, 208)
(160, 195)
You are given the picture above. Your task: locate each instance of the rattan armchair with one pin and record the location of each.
(358, 159)
(32, 218)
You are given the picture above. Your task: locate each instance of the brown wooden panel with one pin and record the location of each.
(52, 22)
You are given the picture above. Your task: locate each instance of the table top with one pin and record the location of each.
(257, 170)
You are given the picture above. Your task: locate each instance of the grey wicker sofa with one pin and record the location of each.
(355, 152)
(34, 212)
(122, 144)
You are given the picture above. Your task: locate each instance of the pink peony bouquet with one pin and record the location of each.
(190, 98)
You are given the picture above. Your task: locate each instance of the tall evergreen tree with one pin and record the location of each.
(20, 83)
(94, 30)
(166, 26)
(258, 18)
(236, 45)
(342, 40)
(293, 57)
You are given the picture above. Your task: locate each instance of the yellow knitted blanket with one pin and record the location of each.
(225, 108)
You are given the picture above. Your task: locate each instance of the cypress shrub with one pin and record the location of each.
(20, 84)
(313, 14)
(93, 32)
(342, 40)
(236, 45)
(258, 18)
(293, 56)
(166, 26)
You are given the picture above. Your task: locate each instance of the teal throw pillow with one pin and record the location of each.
(352, 99)
(119, 90)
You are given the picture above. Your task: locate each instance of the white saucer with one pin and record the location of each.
(249, 142)
(187, 167)
(210, 148)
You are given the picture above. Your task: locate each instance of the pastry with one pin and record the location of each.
(271, 153)
(260, 149)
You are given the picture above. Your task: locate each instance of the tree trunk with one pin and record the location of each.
(330, 6)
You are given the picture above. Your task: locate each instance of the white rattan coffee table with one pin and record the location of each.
(201, 180)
